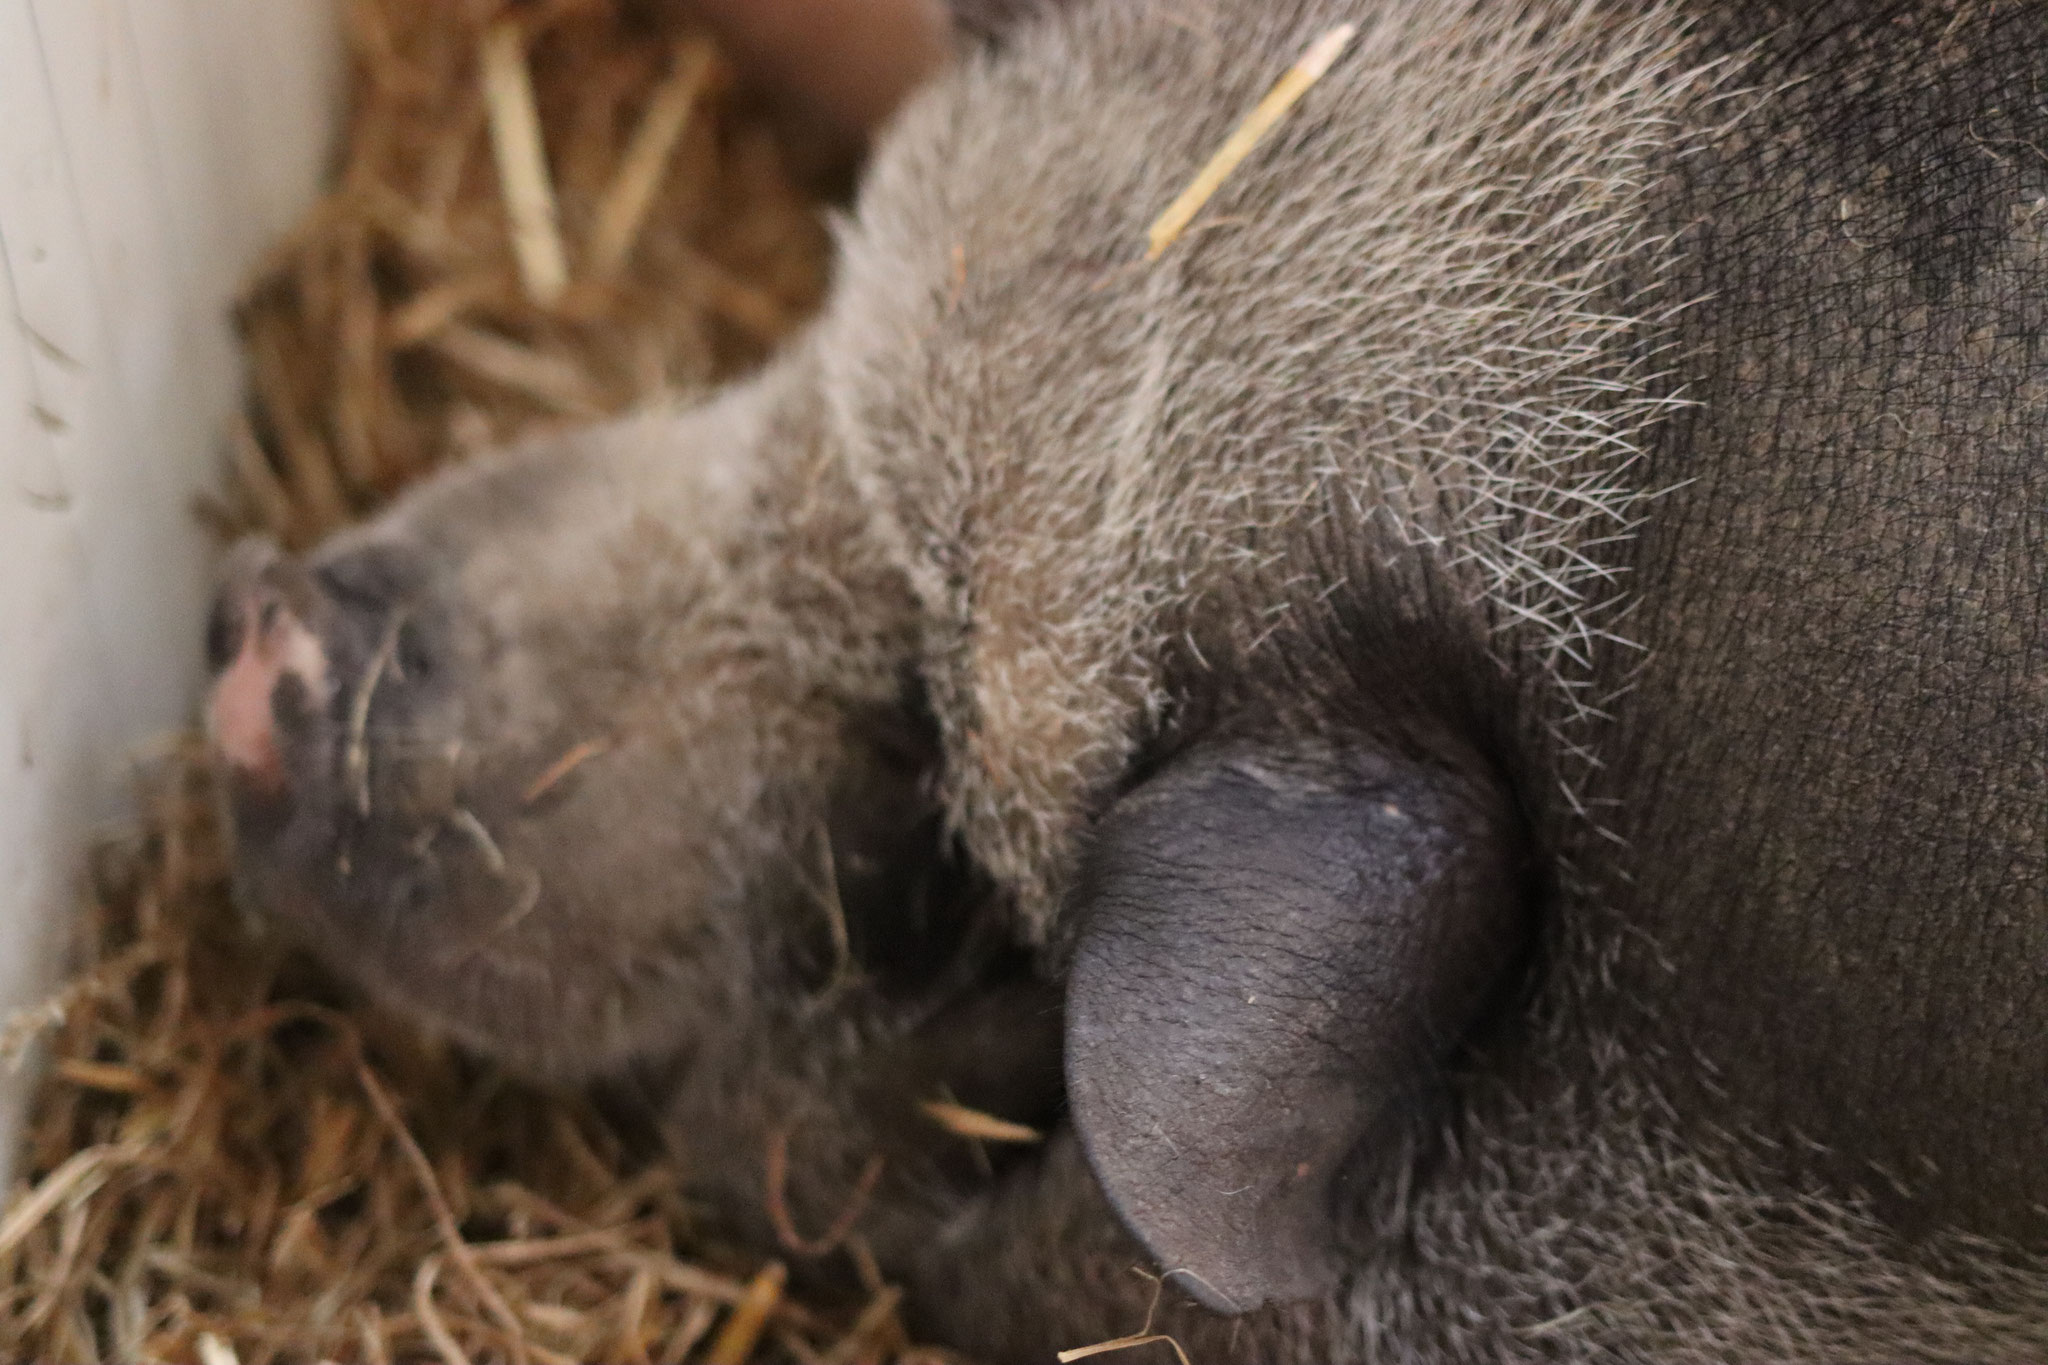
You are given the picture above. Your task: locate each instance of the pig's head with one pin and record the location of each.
(615, 750)
(538, 763)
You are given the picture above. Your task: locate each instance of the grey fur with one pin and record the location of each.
(1482, 399)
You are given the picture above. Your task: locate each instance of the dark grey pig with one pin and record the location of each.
(1471, 742)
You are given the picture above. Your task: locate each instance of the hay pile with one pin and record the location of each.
(547, 212)
(230, 1158)
(233, 1160)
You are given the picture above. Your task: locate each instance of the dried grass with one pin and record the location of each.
(546, 212)
(229, 1145)
(230, 1157)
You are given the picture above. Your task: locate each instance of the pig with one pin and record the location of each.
(1467, 742)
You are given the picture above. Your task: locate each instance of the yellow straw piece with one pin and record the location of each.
(1318, 59)
(736, 1340)
(1122, 1344)
(624, 206)
(961, 1121)
(522, 162)
(214, 1351)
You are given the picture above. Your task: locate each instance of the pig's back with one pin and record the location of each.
(1833, 768)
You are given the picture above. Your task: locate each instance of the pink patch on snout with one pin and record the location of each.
(239, 717)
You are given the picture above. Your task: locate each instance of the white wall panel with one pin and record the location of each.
(149, 149)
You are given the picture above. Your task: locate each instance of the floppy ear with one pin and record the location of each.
(1276, 952)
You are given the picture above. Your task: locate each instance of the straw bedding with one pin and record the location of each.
(230, 1158)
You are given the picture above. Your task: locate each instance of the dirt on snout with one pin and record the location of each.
(230, 1157)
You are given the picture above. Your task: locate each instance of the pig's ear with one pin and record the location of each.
(1275, 953)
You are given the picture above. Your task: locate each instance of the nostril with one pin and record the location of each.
(224, 629)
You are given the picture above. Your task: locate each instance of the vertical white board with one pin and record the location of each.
(149, 150)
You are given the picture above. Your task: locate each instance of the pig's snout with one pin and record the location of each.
(298, 654)
(270, 673)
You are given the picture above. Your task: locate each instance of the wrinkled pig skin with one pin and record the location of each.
(1468, 742)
